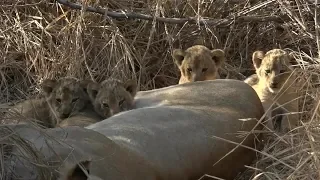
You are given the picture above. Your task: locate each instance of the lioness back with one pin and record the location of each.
(198, 63)
(275, 83)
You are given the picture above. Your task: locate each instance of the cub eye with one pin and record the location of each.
(204, 69)
(121, 102)
(268, 71)
(189, 70)
(58, 100)
(75, 99)
(282, 71)
(106, 105)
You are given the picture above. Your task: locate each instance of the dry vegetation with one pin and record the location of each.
(46, 39)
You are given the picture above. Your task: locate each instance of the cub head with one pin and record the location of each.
(112, 96)
(273, 68)
(66, 96)
(198, 63)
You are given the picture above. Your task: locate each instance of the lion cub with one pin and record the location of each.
(198, 63)
(63, 98)
(274, 82)
(85, 117)
(112, 96)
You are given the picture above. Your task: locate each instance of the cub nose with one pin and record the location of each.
(114, 111)
(195, 78)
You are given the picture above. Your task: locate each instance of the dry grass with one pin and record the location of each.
(46, 39)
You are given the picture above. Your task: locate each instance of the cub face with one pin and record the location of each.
(198, 63)
(66, 96)
(273, 68)
(112, 96)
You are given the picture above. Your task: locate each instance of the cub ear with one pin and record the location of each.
(84, 84)
(218, 56)
(257, 57)
(178, 56)
(92, 90)
(48, 85)
(131, 87)
(79, 171)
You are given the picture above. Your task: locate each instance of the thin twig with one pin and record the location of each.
(191, 20)
(316, 25)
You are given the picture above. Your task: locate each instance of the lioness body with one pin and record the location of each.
(63, 98)
(198, 63)
(75, 144)
(168, 136)
(275, 83)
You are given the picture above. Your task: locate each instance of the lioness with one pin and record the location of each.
(112, 96)
(63, 98)
(166, 136)
(198, 63)
(275, 83)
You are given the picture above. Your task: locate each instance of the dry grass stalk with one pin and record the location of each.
(45, 39)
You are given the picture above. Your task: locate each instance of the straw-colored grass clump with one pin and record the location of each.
(46, 40)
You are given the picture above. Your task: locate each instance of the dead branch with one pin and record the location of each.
(191, 20)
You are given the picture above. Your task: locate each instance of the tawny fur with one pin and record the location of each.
(112, 96)
(166, 136)
(31, 110)
(63, 98)
(198, 63)
(276, 84)
(82, 119)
